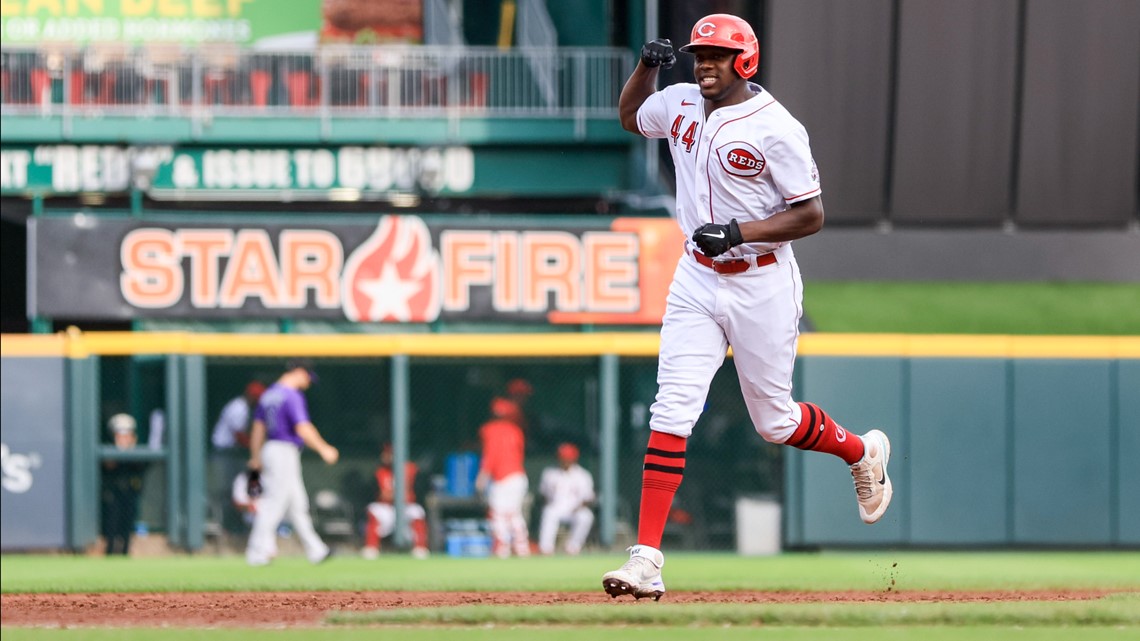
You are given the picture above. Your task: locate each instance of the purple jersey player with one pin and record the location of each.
(281, 429)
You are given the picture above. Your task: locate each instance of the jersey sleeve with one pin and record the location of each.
(587, 487)
(487, 460)
(792, 166)
(546, 485)
(653, 115)
(298, 408)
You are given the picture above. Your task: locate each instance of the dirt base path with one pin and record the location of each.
(307, 609)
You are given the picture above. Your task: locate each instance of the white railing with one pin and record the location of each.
(382, 81)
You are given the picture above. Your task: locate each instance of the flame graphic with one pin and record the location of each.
(393, 275)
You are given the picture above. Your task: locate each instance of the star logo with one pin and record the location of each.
(390, 294)
(393, 275)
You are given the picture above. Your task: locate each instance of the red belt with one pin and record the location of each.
(734, 265)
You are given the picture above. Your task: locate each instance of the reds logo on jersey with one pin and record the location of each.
(741, 159)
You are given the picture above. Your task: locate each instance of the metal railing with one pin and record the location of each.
(382, 81)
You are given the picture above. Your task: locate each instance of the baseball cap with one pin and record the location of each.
(302, 363)
(519, 387)
(254, 389)
(567, 452)
(120, 423)
(504, 408)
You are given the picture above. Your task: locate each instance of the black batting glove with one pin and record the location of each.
(714, 239)
(658, 53)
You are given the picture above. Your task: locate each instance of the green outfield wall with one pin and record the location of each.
(997, 441)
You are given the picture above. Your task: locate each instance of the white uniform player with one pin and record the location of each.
(746, 187)
(569, 490)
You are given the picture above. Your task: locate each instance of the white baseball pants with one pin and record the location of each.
(508, 526)
(757, 312)
(385, 515)
(580, 521)
(284, 493)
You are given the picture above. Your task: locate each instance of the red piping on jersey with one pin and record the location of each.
(791, 198)
(708, 176)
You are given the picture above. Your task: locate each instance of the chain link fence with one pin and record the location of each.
(448, 400)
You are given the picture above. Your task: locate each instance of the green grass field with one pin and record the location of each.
(1115, 616)
(974, 308)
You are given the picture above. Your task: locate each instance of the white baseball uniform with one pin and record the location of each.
(233, 420)
(747, 161)
(385, 514)
(567, 492)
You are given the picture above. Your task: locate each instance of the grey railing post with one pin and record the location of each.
(399, 403)
(194, 390)
(174, 477)
(608, 408)
(83, 424)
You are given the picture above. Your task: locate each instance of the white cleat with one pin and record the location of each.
(872, 485)
(640, 576)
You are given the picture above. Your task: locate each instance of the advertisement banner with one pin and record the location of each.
(32, 454)
(307, 173)
(143, 21)
(395, 269)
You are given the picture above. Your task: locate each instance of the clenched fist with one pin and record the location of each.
(658, 53)
(715, 239)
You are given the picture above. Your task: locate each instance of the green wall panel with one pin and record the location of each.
(33, 129)
(247, 130)
(223, 129)
(955, 406)
(859, 394)
(1061, 431)
(1128, 451)
(105, 129)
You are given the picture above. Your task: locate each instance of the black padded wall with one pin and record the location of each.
(1078, 152)
(953, 139)
(829, 64)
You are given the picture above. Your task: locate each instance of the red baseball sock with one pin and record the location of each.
(819, 433)
(372, 533)
(660, 478)
(419, 533)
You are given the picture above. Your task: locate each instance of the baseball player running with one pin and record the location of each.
(281, 429)
(746, 187)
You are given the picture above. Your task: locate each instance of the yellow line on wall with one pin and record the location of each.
(77, 344)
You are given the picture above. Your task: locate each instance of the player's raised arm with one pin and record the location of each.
(643, 81)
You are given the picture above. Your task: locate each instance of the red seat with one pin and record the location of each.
(299, 84)
(476, 90)
(216, 89)
(41, 86)
(77, 86)
(259, 81)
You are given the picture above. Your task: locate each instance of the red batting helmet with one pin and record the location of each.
(728, 32)
(505, 408)
(567, 452)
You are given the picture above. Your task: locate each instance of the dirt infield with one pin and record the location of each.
(307, 609)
